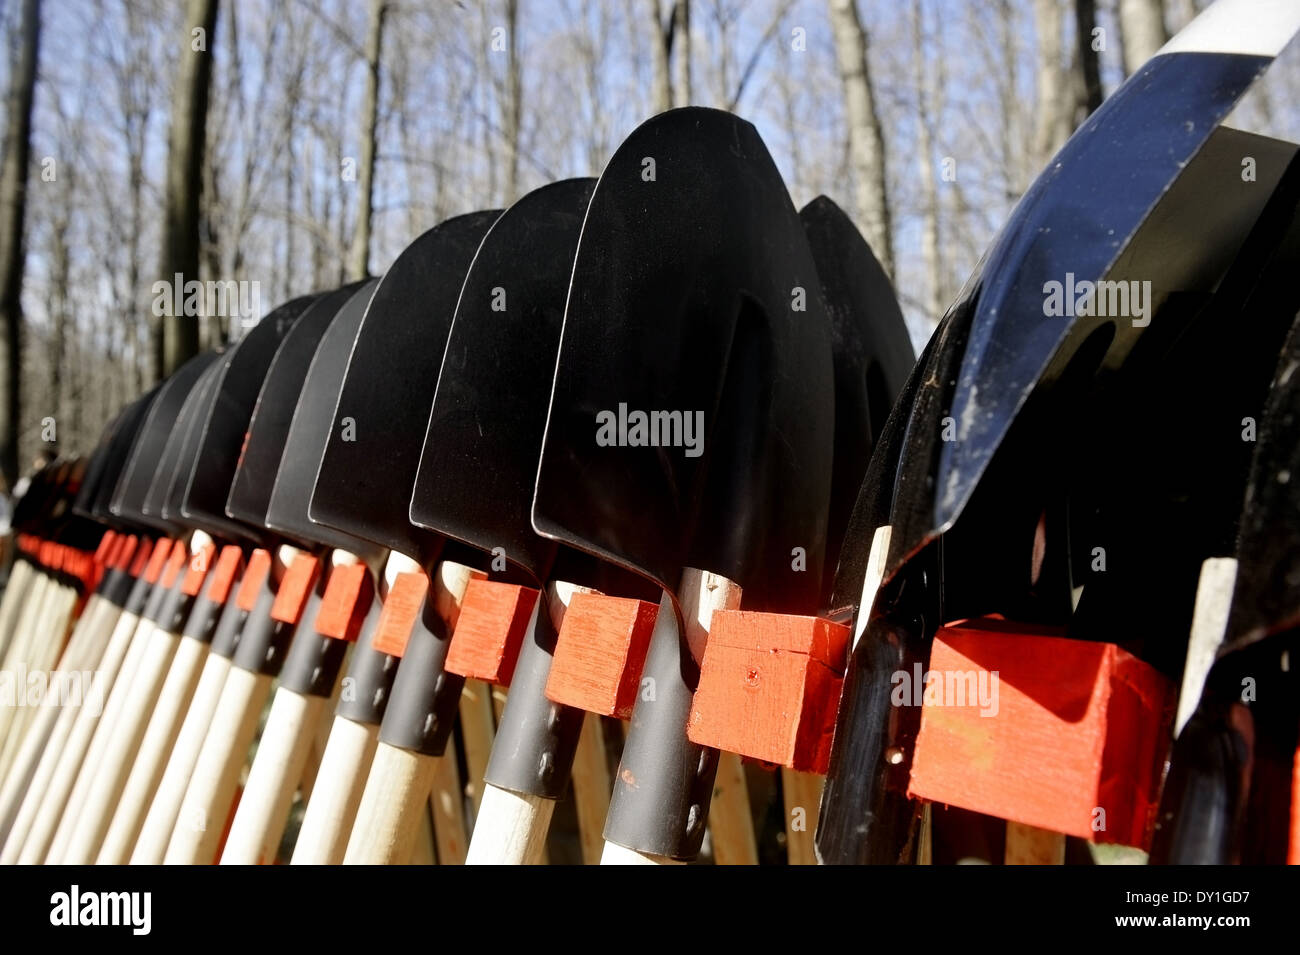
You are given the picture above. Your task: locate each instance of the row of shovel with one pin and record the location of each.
(656, 447)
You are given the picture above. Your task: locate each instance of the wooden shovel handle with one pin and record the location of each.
(264, 807)
(99, 743)
(156, 828)
(206, 805)
(38, 818)
(340, 782)
(119, 755)
(393, 803)
(155, 746)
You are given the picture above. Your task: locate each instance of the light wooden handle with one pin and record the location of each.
(155, 745)
(273, 779)
(99, 743)
(50, 730)
(119, 755)
(511, 828)
(340, 782)
(202, 816)
(619, 855)
(21, 578)
(392, 805)
(42, 807)
(802, 795)
(1029, 845)
(156, 830)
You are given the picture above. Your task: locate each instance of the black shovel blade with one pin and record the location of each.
(1266, 599)
(268, 428)
(366, 474)
(179, 451)
(147, 452)
(691, 418)
(212, 471)
(484, 434)
(872, 352)
(312, 421)
(119, 453)
(98, 465)
(1077, 223)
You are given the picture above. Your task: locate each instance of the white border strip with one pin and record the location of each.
(1249, 27)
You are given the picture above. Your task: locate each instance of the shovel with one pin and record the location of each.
(475, 484)
(268, 630)
(363, 487)
(181, 612)
(873, 356)
(68, 539)
(1230, 785)
(56, 772)
(146, 660)
(200, 498)
(998, 349)
(312, 666)
(48, 734)
(720, 323)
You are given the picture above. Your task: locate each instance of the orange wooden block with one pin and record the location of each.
(124, 555)
(223, 574)
(600, 653)
(1064, 735)
(291, 596)
(197, 571)
(255, 577)
(176, 562)
(770, 687)
(141, 559)
(162, 549)
(401, 610)
(107, 545)
(1293, 850)
(346, 602)
(490, 630)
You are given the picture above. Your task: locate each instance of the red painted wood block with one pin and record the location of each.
(223, 574)
(770, 687)
(176, 562)
(162, 549)
(141, 558)
(255, 578)
(1293, 850)
(490, 630)
(107, 546)
(291, 595)
(600, 653)
(1064, 735)
(346, 602)
(401, 610)
(197, 571)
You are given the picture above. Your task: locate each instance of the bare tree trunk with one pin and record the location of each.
(1142, 30)
(662, 95)
(13, 210)
(514, 101)
(682, 53)
(1085, 18)
(359, 257)
(866, 140)
(925, 146)
(180, 241)
(1055, 104)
